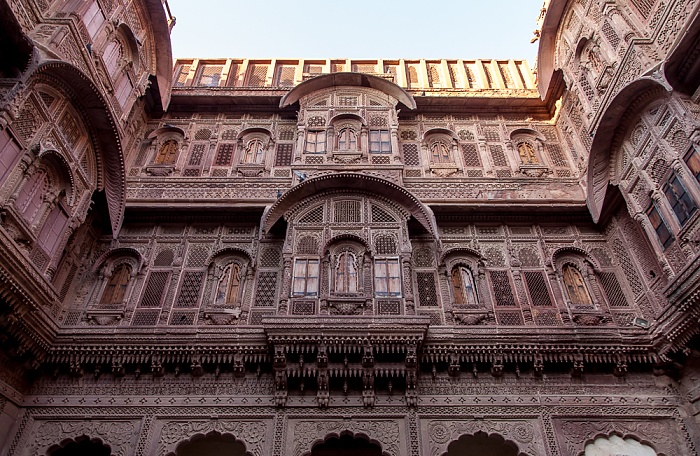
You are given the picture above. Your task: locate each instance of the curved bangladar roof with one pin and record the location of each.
(351, 181)
(348, 79)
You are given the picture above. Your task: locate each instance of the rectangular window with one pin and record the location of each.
(379, 142)
(681, 202)
(93, 19)
(315, 142)
(692, 159)
(284, 155)
(662, 231)
(224, 154)
(9, 153)
(123, 89)
(305, 277)
(387, 277)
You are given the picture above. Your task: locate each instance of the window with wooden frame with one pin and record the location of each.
(229, 290)
(440, 153)
(51, 233)
(527, 154)
(115, 291)
(659, 226)
(692, 159)
(379, 142)
(347, 139)
(575, 286)
(346, 273)
(167, 155)
(31, 196)
(306, 276)
(315, 142)
(387, 277)
(254, 151)
(463, 288)
(679, 199)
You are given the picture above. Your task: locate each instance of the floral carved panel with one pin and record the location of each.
(251, 433)
(574, 435)
(119, 435)
(526, 434)
(385, 432)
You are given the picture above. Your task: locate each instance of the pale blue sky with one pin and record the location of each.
(355, 29)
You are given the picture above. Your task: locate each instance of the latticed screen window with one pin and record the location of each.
(410, 154)
(189, 289)
(284, 155)
(228, 291)
(254, 152)
(285, 76)
(613, 290)
(692, 159)
(537, 287)
(210, 75)
(387, 277)
(182, 73)
(502, 291)
(679, 199)
(116, 287)
(346, 273)
(427, 291)
(463, 286)
(305, 277)
(224, 154)
(662, 231)
(347, 139)
(379, 142)
(196, 155)
(575, 286)
(440, 153)
(347, 212)
(315, 142)
(155, 287)
(471, 155)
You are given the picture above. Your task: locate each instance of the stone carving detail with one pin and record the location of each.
(523, 433)
(576, 434)
(119, 435)
(308, 433)
(251, 433)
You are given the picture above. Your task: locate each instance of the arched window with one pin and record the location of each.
(254, 152)
(229, 289)
(52, 231)
(168, 153)
(115, 291)
(527, 154)
(346, 273)
(440, 153)
(347, 139)
(575, 286)
(30, 197)
(111, 56)
(463, 286)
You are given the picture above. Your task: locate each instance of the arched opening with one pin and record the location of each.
(603, 446)
(81, 446)
(346, 445)
(482, 444)
(213, 444)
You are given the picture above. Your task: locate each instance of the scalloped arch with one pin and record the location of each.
(121, 251)
(348, 79)
(352, 181)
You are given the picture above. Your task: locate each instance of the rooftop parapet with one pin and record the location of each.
(434, 77)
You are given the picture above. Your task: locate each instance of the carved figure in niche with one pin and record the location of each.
(115, 291)
(527, 154)
(347, 139)
(463, 286)
(254, 152)
(575, 286)
(440, 153)
(167, 155)
(228, 291)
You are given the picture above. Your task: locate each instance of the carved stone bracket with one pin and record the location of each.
(309, 433)
(251, 433)
(525, 434)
